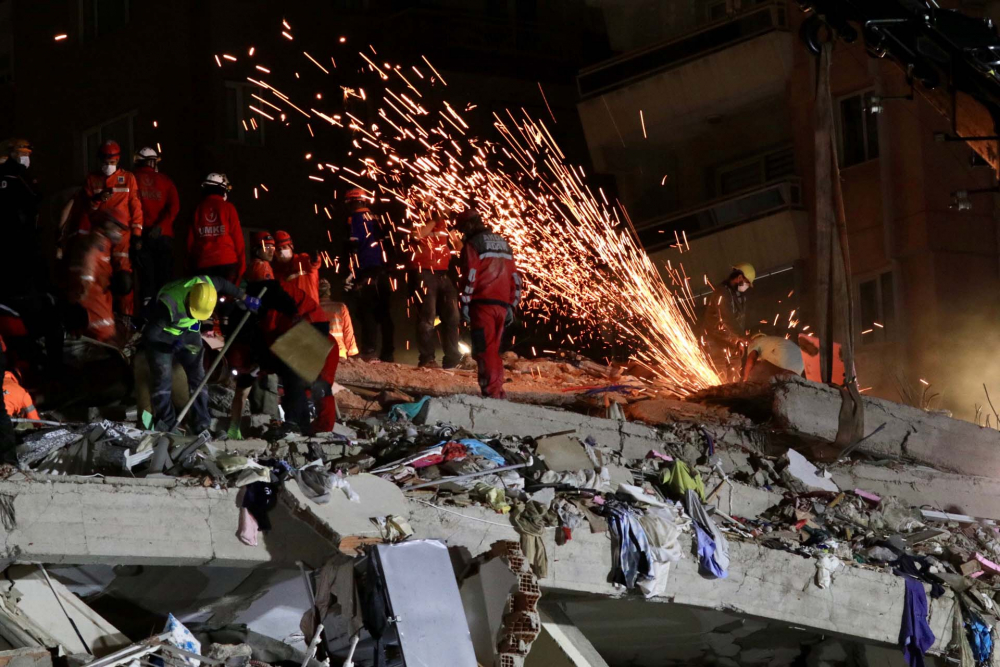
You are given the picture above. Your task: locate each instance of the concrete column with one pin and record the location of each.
(561, 644)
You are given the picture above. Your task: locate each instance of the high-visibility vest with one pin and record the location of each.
(174, 296)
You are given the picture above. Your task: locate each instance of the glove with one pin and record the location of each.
(509, 319)
(121, 283)
(465, 315)
(252, 303)
(234, 432)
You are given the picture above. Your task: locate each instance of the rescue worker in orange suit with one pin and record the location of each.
(372, 285)
(16, 399)
(25, 285)
(160, 205)
(490, 289)
(341, 327)
(92, 281)
(299, 269)
(113, 190)
(215, 241)
(263, 254)
(8, 443)
(437, 294)
(724, 321)
(282, 307)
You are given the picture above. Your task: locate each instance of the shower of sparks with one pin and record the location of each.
(579, 255)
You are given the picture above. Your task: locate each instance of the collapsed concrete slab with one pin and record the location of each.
(112, 521)
(487, 415)
(801, 411)
(864, 604)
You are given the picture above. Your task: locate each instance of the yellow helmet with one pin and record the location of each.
(201, 300)
(747, 270)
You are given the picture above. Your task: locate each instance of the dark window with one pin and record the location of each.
(754, 171)
(121, 130)
(858, 130)
(242, 124)
(99, 18)
(877, 309)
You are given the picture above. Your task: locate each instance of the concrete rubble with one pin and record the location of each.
(539, 488)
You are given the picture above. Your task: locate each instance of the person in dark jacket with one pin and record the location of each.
(725, 321)
(374, 289)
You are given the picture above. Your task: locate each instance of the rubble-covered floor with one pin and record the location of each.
(154, 528)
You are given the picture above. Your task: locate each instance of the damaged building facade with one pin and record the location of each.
(724, 154)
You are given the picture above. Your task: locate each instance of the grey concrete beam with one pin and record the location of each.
(111, 521)
(864, 604)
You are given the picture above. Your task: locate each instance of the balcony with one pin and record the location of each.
(735, 209)
(636, 65)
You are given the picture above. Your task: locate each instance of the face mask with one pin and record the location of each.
(108, 169)
(743, 288)
(285, 253)
(24, 160)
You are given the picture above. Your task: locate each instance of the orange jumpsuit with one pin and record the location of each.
(300, 271)
(90, 269)
(17, 401)
(126, 206)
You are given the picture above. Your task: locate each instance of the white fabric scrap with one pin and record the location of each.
(826, 565)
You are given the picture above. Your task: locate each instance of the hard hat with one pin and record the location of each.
(282, 238)
(146, 154)
(19, 147)
(201, 300)
(262, 239)
(109, 148)
(354, 194)
(218, 180)
(747, 270)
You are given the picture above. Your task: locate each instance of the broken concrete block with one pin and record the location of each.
(26, 657)
(340, 518)
(563, 453)
(807, 475)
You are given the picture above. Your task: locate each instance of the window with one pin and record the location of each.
(6, 42)
(877, 309)
(121, 130)
(243, 125)
(857, 130)
(99, 18)
(754, 171)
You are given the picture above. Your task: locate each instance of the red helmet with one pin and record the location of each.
(262, 239)
(354, 194)
(282, 239)
(109, 148)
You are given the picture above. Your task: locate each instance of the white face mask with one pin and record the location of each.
(108, 169)
(24, 160)
(285, 253)
(743, 288)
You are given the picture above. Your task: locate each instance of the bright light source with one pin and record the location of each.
(60, 38)
(464, 348)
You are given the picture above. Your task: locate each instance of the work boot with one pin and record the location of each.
(428, 364)
(451, 363)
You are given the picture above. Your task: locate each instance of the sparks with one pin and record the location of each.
(642, 121)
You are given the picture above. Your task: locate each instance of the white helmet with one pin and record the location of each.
(147, 154)
(218, 180)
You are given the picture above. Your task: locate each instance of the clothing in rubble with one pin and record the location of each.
(631, 561)
(489, 292)
(663, 537)
(259, 498)
(374, 606)
(915, 635)
(980, 638)
(679, 480)
(713, 549)
(530, 520)
(918, 567)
